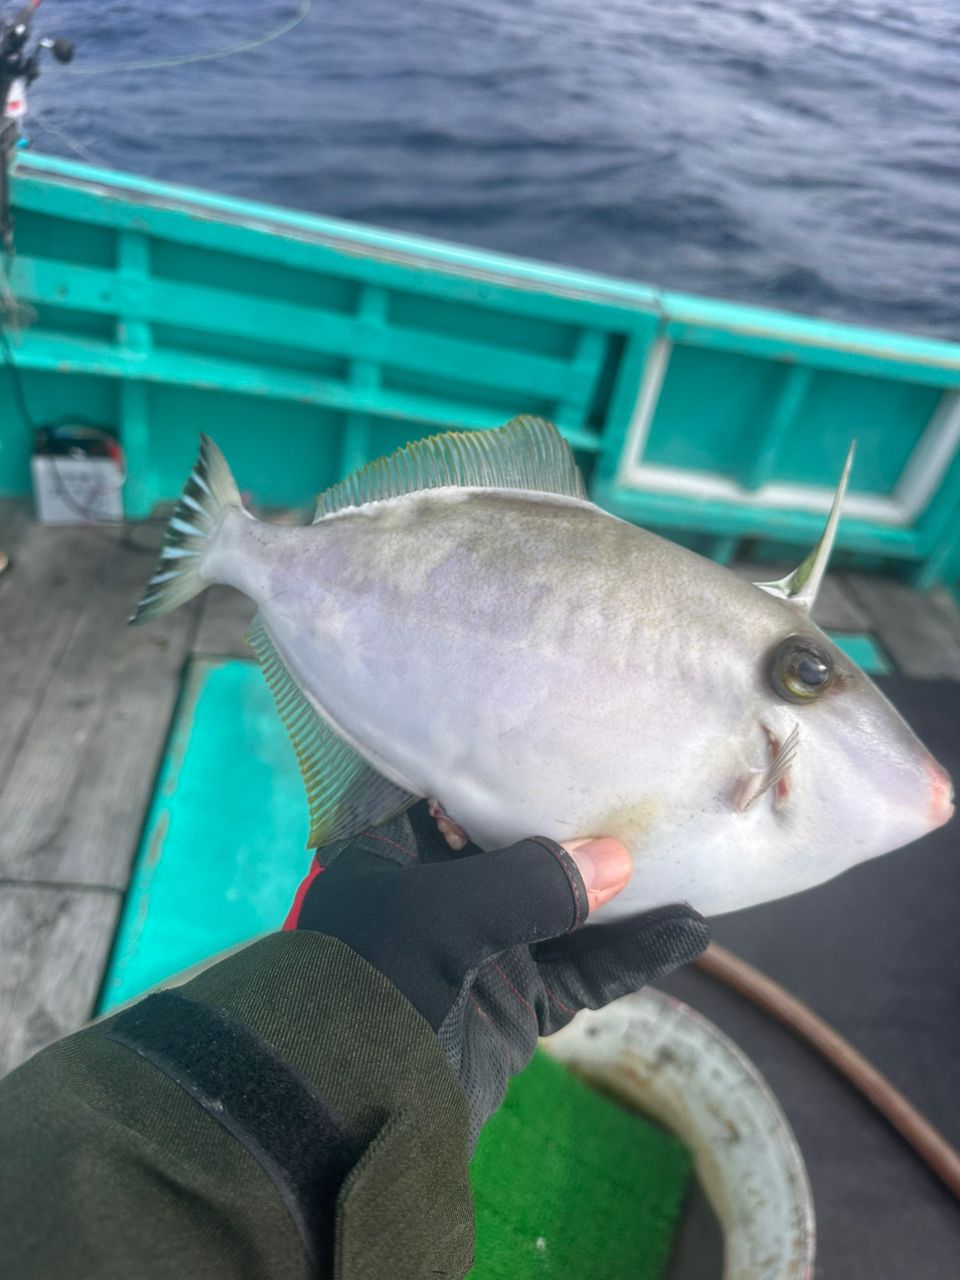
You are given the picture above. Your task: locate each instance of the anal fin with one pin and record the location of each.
(345, 794)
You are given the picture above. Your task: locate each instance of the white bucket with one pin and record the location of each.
(663, 1058)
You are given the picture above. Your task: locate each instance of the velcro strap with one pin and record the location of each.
(243, 1083)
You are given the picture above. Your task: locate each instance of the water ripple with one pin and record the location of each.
(803, 153)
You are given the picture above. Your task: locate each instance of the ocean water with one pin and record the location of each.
(803, 154)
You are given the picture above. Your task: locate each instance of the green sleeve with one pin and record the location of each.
(109, 1169)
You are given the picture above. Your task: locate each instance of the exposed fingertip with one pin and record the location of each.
(605, 866)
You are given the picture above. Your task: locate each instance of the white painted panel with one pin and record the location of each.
(931, 456)
(790, 497)
(921, 476)
(648, 395)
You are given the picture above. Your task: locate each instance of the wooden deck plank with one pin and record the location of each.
(99, 838)
(41, 598)
(54, 944)
(225, 619)
(15, 518)
(921, 633)
(944, 607)
(836, 609)
(73, 798)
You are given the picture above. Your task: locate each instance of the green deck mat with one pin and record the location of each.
(568, 1184)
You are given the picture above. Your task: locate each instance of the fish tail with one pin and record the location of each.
(209, 493)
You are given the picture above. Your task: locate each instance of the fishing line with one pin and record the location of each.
(75, 145)
(213, 55)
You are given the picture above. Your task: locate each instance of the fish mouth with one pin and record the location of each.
(776, 777)
(942, 795)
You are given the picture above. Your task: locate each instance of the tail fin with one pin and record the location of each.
(209, 491)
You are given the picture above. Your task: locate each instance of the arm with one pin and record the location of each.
(208, 1132)
(307, 1105)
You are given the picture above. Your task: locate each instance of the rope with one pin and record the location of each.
(213, 55)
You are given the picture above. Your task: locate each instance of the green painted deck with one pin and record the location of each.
(224, 845)
(110, 734)
(307, 345)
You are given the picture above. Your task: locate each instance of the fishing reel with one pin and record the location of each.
(19, 67)
(16, 61)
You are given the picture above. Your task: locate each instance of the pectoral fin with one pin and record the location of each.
(757, 782)
(345, 794)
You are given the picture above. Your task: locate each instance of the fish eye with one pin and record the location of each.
(800, 670)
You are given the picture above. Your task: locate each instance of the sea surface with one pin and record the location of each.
(803, 154)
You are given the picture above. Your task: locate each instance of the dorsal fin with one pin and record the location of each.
(528, 453)
(345, 794)
(800, 588)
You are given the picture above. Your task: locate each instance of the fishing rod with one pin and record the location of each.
(19, 67)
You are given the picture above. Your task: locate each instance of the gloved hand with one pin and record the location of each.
(471, 939)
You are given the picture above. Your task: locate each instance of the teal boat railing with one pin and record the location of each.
(307, 345)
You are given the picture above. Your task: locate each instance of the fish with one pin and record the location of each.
(462, 623)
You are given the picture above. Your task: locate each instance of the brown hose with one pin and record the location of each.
(927, 1141)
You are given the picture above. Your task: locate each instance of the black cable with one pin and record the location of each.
(87, 514)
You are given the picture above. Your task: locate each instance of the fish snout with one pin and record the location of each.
(941, 795)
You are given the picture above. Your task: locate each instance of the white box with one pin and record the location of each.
(77, 490)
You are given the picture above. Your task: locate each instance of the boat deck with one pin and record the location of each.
(85, 709)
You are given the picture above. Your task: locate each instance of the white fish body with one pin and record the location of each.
(541, 667)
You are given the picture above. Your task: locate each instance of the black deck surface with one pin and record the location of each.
(877, 953)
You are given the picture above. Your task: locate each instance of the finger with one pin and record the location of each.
(452, 832)
(676, 927)
(532, 890)
(599, 965)
(426, 926)
(454, 835)
(604, 865)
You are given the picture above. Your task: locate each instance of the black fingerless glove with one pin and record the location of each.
(487, 946)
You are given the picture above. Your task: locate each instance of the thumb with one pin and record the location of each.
(604, 865)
